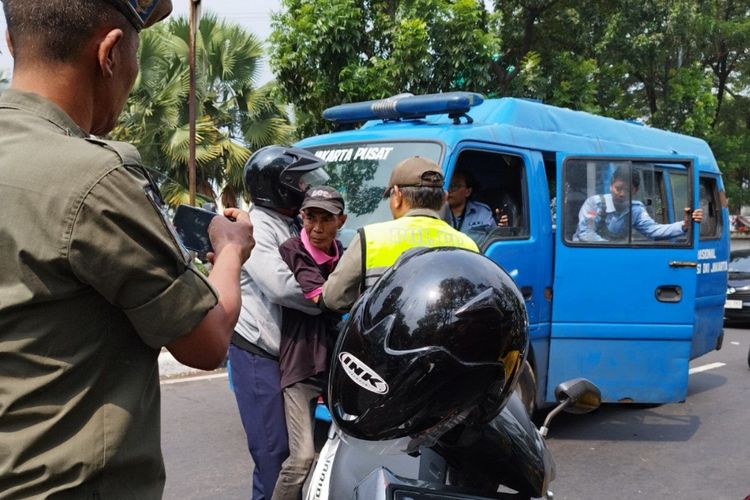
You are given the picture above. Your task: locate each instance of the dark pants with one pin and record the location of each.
(261, 404)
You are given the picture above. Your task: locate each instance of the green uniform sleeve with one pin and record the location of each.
(122, 246)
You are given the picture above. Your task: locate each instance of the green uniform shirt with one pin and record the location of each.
(92, 285)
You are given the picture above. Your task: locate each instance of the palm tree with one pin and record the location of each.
(233, 115)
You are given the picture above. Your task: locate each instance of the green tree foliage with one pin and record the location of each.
(326, 52)
(234, 116)
(682, 65)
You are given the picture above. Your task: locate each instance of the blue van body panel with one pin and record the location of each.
(528, 124)
(647, 361)
(633, 347)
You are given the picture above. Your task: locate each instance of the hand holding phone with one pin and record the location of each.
(191, 224)
(234, 229)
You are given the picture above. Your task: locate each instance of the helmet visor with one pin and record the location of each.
(317, 177)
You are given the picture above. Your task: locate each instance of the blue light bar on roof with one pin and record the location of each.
(404, 106)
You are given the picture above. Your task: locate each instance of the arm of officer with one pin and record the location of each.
(120, 244)
(341, 289)
(272, 275)
(587, 216)
(205, 346)
(306, 272)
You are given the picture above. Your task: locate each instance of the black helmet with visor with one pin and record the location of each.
(441, 337)
(277, 177)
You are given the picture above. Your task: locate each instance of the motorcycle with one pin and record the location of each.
(504, 458)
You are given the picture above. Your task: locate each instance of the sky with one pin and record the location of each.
(255, 15)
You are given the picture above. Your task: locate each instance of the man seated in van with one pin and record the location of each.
(463, 213)
(603, 217)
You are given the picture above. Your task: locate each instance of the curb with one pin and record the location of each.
(169, 367)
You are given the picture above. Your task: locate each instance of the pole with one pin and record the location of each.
(193, 24)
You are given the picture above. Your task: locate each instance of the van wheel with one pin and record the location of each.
(526, 388)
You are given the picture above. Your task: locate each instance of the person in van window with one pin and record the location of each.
(603, 217)
(463, 213)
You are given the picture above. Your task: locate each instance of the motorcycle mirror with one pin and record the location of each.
(583, 395)
(574, 396)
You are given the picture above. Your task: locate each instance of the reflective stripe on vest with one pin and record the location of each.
(386, 241)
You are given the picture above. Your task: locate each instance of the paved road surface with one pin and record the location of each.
(696, 450)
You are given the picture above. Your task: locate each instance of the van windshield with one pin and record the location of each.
(360, 171)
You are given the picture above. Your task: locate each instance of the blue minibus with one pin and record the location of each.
(627, 312)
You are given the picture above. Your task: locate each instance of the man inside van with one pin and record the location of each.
(464, 213)
(603, 217)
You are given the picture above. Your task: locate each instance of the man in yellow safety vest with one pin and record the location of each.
(415, 193)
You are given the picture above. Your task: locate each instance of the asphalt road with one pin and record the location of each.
(698, 450)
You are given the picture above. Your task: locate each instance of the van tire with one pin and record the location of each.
(526, 388)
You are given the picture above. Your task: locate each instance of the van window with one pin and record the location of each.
(680, 200)
(360, 171)
(708, 197)
(498, 184)
(624, 203)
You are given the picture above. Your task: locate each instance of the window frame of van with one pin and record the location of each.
(716, 195)
(494, 234)
(661, 162)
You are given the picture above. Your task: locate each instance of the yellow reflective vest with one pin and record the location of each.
(384, 242)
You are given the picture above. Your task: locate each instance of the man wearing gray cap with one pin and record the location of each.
(306, 340)
(415, 195)
(93, 282)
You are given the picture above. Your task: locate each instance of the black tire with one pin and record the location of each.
(526, 388)
(748, 358)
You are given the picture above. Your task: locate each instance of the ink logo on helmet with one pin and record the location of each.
(363, 375)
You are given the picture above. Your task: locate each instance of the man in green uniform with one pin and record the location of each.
(415, 195)
(93, 281)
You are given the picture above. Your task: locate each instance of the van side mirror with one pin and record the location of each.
(577, 396)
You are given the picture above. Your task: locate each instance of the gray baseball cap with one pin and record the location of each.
(416, 172)
(324, 197)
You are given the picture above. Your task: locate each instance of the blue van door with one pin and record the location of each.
(511, 183)
(713, 256)
(624, 277)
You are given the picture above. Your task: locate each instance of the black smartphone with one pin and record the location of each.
(191, 224)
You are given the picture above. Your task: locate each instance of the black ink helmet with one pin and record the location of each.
(278, 176)
(439, 338)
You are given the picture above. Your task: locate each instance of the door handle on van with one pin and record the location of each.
(669, 293)
(527, 292)
(682, 263)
